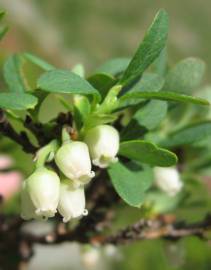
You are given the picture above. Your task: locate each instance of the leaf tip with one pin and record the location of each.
(162, 12)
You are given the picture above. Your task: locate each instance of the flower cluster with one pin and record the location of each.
(44, 192)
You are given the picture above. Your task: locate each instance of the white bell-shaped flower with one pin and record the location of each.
(103, 143)
(73, 160)
(43, 187)
(27, 207)
(71, 201)
(168, 180)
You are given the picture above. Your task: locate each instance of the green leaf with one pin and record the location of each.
(96, 119)
(82, 109)
(17, 101)
(102, 82)
(3, 29)
(149, 82)
(13, 73)
(22, 70)
(38, 61)
(150, 48)
(162, 203)
(160, 64)
(169, 96)
(148, 117)
(204, 92)
(188, 135)
(151, 114)
(146, 152)
(185, 76)
(130, 184)
(2, 14)
(114, 66)
(65, 81)
(132, 131)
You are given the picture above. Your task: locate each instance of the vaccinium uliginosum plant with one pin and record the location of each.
(122, 120)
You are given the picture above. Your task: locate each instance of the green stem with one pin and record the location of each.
(110, 102)
(14, 116)
(65, 135)
(44, 153)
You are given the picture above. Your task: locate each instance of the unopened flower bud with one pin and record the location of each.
(73, 160)
(43, 187)
(103, 143)
(71, 202)
(168, 180)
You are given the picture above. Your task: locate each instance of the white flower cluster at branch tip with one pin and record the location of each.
(44, 192)
(168, 180)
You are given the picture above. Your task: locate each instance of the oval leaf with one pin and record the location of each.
(17, 101)
(114, 66)
(13, 73)
(189, 135)
(151, 115)
(185, 76)
(149, 82)
(38, 61)
(150, 48)
(102, 82)
(130, 184)
(65, 81)
(148, 153)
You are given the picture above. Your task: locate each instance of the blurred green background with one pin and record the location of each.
(71, 31)
(67, 32)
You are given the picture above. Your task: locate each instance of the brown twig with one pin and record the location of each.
(142, 230)
(50, 132)
(43, 136)
(159, 228)
(37, 129)
(21, 138)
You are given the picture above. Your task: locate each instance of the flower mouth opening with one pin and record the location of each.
(104, 161)
(85, 178)
(66, 219)
(45, 212)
